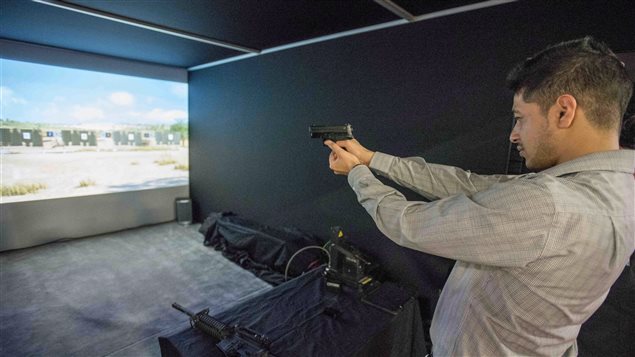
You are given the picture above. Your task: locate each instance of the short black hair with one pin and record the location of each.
(584, 68)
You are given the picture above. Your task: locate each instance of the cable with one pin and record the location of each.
(286, 270)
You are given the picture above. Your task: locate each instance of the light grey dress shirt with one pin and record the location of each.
(536, 254)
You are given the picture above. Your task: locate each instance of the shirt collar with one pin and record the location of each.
(616, 160)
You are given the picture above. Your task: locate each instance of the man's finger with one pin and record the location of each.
(333, 146)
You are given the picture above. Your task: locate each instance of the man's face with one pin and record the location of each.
(532, 135)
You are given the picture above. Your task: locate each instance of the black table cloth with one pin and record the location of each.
(302, 318)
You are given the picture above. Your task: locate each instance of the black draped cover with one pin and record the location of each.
(263, 250)
(302, 318)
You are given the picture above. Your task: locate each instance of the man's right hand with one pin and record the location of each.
(354, 147)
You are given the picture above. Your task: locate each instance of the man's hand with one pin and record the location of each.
(340, 160)
(354, 147)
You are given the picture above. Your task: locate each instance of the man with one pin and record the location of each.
(536, 254)
(609, 332)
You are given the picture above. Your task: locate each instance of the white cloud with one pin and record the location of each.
(48, 113)
(9, 97)
(164, 116)
(86, 113)
(121, 98)
(180, 90)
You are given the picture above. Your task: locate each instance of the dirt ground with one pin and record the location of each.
(79, 171)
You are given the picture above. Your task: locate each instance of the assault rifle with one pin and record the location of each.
(235, 341)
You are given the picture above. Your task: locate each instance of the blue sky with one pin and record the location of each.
(32, 92)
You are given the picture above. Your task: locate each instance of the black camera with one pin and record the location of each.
(347, 265)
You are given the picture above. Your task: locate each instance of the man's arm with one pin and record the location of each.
(432, 181)
(429, 180)
(507, 226)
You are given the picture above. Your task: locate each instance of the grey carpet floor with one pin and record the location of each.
(111, 295)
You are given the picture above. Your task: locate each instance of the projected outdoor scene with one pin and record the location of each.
(68, 132)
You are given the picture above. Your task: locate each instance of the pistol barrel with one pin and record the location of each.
(337, 132)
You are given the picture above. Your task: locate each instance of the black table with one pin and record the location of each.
(302, 318)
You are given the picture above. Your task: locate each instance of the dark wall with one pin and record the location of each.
(433, 88)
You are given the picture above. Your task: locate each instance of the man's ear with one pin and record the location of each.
(566, 105)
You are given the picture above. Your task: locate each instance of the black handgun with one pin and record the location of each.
(331, 132)
(235, 341)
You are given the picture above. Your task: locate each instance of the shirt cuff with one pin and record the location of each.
(357, 173)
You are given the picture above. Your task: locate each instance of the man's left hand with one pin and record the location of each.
(340, 160)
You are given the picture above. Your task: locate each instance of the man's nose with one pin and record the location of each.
(513, 136)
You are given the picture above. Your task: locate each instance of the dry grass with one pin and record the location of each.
(182, 167)
(149, 148)
(21, 189)
(86, 183)
(165, 161)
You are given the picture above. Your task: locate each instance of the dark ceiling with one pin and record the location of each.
(255, 24)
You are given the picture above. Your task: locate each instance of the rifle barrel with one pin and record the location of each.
(183, 310)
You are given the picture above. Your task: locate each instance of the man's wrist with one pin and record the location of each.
(357, 164)
(368, 158)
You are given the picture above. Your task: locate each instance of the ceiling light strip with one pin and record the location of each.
(396, 9)
(464, 8)
(441, 13)
(145, 25)
(223, 61)
(334, 36)
(302, 43)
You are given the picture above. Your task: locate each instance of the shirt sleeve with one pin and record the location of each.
(506, 225)
(432, 181)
